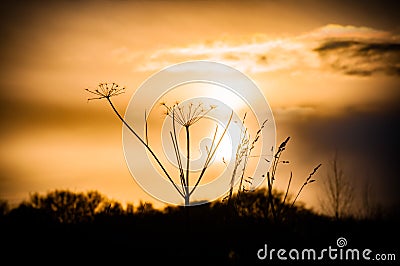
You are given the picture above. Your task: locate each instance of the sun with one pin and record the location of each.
(225, 150)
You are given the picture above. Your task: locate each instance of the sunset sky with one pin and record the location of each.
(330, 71)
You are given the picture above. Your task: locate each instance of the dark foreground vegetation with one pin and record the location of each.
(87, 228)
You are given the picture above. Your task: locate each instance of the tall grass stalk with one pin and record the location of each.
(278, 209)
(271, 175)
(242, 156)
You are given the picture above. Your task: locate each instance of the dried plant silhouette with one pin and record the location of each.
(242, 156)
(186, 116)
(278, 208)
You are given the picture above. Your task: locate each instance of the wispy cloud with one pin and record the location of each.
(253, 54)
(348, 50)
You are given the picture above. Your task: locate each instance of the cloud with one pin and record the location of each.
(348, 50)
(294, 112)
(361, 57)
(254, 54)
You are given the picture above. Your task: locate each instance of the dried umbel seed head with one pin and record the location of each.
(106, 90)
(187, 115)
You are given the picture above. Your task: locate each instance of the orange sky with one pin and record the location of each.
(329, 70)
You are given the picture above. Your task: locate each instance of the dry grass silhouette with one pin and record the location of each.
(278, 209)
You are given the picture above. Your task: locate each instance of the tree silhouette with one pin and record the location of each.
(71, 208)
(4, 207)
(338, 191)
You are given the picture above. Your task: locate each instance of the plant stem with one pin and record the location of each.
(187, 164)
(211, 154)
(145, 144)
(270, 197)
(282, 207)
(294, 201)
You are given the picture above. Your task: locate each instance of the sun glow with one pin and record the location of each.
(224, 151)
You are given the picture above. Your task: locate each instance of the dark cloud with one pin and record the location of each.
(334, 45)
(361, 57)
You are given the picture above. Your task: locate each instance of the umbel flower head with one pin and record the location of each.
(106, 90)
(187, 115)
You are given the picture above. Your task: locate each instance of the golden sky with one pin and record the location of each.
(329, 70)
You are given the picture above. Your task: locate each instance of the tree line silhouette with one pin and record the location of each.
(91, 226)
